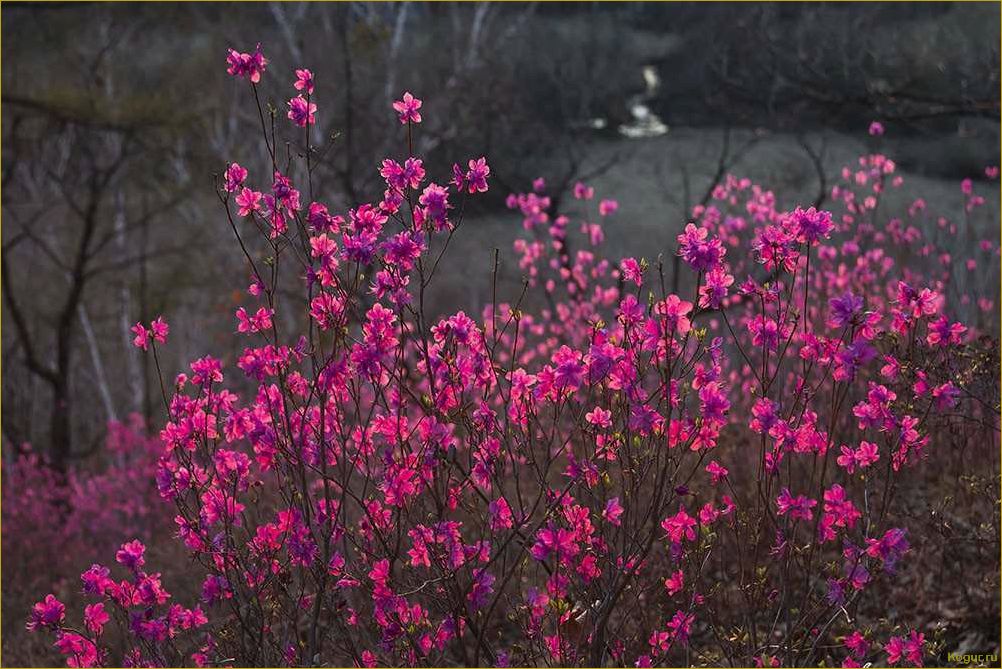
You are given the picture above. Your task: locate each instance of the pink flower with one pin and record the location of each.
(47, 613)
(259, 322)
(889, 548)
(863, 457)
(302, 112)
(583, 192)
(476, 177)
(876, 128)
(606, 207)
(633, 271)
(131, 555)
(866, 454)
(942, 333)
(811, 225)
(857, 644)
(551, 540)
(246, 65)
(95, 617)
(235, 176)
(248, 201)
(798, 507)
(716, 471)
(844, 310)
(407, 108)
(675, 582)
(304, 81)
(79, 651)
(399, 487)
(160, 329)
(840, 510)
(715, 287)
(157, 331)
(945, 396)
(322, 247)
(680, 525)
(142, 339)
(401, 177)
(435, 201)
(910, 647)
(698, 250)
(599, 417)
(674, 310)
(500, 513)
(569, 371)
(613, 510)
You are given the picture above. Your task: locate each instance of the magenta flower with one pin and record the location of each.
(715, 288)
(680, 525)
(583, 192)
(79, 651)
(476, 177)
(304, 81)
(866, 454)
(613, 510)
(942, 333)
(839, 509)
(632, 271)
(131, 555)
(500, 513)
(301, 112)
(844, 310)
(699, 251)
(811, 225)
(599, 417)
(674, 310)
(47, 613)
(798, 507)
(95, 618)
(857, 644)
(248, 201)
(552, 540)
(96, 580)
(716, 471)
(675, 582)
(142, 338)
(159, 329)
(606, 207)
(407, 108)
(876, 128)
(259, 322)
(945, 396)
(910, 647)
(246, 65)
(435, 200)
(399, 487)
(235, 176)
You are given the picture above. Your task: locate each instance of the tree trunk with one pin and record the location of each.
(59, 424)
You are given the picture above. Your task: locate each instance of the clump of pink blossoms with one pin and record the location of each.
(621, 476)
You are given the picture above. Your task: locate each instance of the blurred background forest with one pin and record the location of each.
(118, 118)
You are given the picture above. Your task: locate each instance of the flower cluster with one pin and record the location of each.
(623, 475)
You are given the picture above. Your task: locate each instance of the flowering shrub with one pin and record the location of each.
(621, 476)
(69, 520)
(43, 511)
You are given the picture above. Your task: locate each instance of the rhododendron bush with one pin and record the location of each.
(592, 471)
